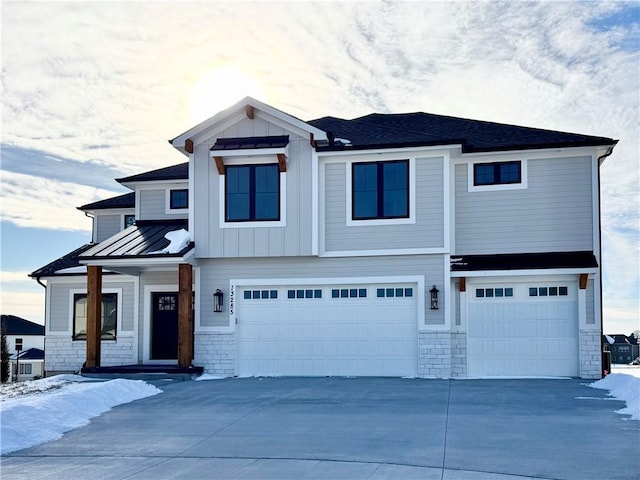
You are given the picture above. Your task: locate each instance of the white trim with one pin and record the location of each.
(140, 261)
(582, 308)
(191, 200)
(253, 153)
(522, 185)
(167, 202)
(196, 299)
(504, 156)
(136, 208)
(380, 221)
(446, 204)
(315, 202)
(393, 251)
(449, 321)
(146, 340)
(401, 152)
(515, 273)
(119, 332)
(136, 319)
(597, 247)
(257, 224)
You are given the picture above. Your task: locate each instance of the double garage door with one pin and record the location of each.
(319, 330)
(522, 329)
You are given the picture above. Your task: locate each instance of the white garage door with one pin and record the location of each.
(352, 330)
(523, 329)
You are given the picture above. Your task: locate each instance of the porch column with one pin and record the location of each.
(94, 315)
(185, 315)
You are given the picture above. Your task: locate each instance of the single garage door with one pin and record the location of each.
(522, 329)
(320, 330)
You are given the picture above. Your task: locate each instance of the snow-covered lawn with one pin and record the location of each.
(40, 411)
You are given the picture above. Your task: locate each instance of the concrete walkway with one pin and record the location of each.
(341, 428)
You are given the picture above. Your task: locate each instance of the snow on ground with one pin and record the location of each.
(40, 411)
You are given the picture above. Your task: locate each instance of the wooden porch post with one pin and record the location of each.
(94, 315)
(185, 315)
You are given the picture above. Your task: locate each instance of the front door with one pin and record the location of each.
(164, 326)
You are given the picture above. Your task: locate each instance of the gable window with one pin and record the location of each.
(252, 193)
(380, 190)
(109, 317)
(497, 173)
(179, 199)
(129, 220)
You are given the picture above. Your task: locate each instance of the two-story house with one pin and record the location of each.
(25, 346)
(389, 245)
(624, 350)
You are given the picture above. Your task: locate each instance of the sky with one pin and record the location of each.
(92, 91)
(67, 402)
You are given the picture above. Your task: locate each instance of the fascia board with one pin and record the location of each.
(141, 185)
(530, 272)
(428, 150)
(530, 154)
(249, 152)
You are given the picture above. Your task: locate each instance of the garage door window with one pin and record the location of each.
(548, 291)
(394, 292)
(349, 293)
(260, 294)
(304, 293)
(498, 292)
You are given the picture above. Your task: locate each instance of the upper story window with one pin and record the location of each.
(109, 316)
(252, 193)
(380, 190)
(179, 199)
(129, 220)
(497, 173)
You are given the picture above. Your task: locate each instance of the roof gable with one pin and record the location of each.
(13, 325)
(121, 201)
(174, 172)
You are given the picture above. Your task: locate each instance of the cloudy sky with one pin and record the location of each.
(92, 91)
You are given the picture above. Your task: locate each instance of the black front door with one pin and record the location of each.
(164, 326)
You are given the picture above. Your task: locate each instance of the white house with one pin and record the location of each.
(25, 345)
(388, 245)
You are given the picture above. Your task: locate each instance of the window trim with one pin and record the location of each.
(168, 200)
(124, 219)
(71, 325)
(521, 185)
(222, 198)
(410, 219)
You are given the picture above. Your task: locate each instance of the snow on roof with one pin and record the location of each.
(178, 239)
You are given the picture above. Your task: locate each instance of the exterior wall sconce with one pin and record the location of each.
(434, 298)
(218, 297)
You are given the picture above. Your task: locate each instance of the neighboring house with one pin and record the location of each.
(624, 349)
(391, 245)
(27, 338)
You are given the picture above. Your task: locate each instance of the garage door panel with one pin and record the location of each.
(523, 335)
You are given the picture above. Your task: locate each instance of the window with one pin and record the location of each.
(25, 369)
(109, 316)
(178, 199)
(252, 193)
(129, 220)
(18, 344)
(306, 293)
(497, 173)
(501, 292)
(380, 190)
(548, 291)
(394, 292)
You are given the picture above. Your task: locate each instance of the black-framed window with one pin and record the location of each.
(252, 193)
(109, 316)
(129, 220)
(380, 190)
(497, 173)
(179, 199)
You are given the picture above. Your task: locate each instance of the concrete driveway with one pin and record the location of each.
(349, 428)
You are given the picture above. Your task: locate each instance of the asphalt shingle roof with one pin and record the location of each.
(422, 129)
(243, 143)
(67, 261)
(523, 261)
(13, 325)
(121, 201)
(174, 172)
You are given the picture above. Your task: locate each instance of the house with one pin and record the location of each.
(25, 343)
(412, 245)
(624, 349)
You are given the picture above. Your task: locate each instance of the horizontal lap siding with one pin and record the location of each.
(107, 225)
(152, 204)
(215, 274)
(427, 232)
(553, 214)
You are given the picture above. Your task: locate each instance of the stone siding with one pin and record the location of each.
(458, 354)
(590, 354)
(62, 354)
(434, 355)
(216, 353)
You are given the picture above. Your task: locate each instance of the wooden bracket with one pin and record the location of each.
(250, 111)
(463, 284)
(312, 140)
(219, 165)
(188, 145)
(583, 281)
(282, 162)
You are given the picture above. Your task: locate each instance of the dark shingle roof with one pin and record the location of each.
(122, 201)
(243, 143)
(33, 353)
(424, 129)
(67, 261)
(523, 261)
(13, 325)
(141, 239)
(174, 172)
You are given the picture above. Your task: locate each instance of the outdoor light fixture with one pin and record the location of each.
(434, 298)
(217, 301)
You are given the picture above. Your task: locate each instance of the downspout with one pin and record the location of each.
(600, 162)
(44, 346)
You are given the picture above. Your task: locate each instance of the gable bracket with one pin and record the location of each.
(188, 145)
(250, 111)
(219, 165)
(583, 281)
(282, 162)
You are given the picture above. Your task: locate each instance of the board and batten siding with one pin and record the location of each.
(554, 212)
(426, 232)
(294, 239)
(61, 308)
(107, 226)
(216, 274)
